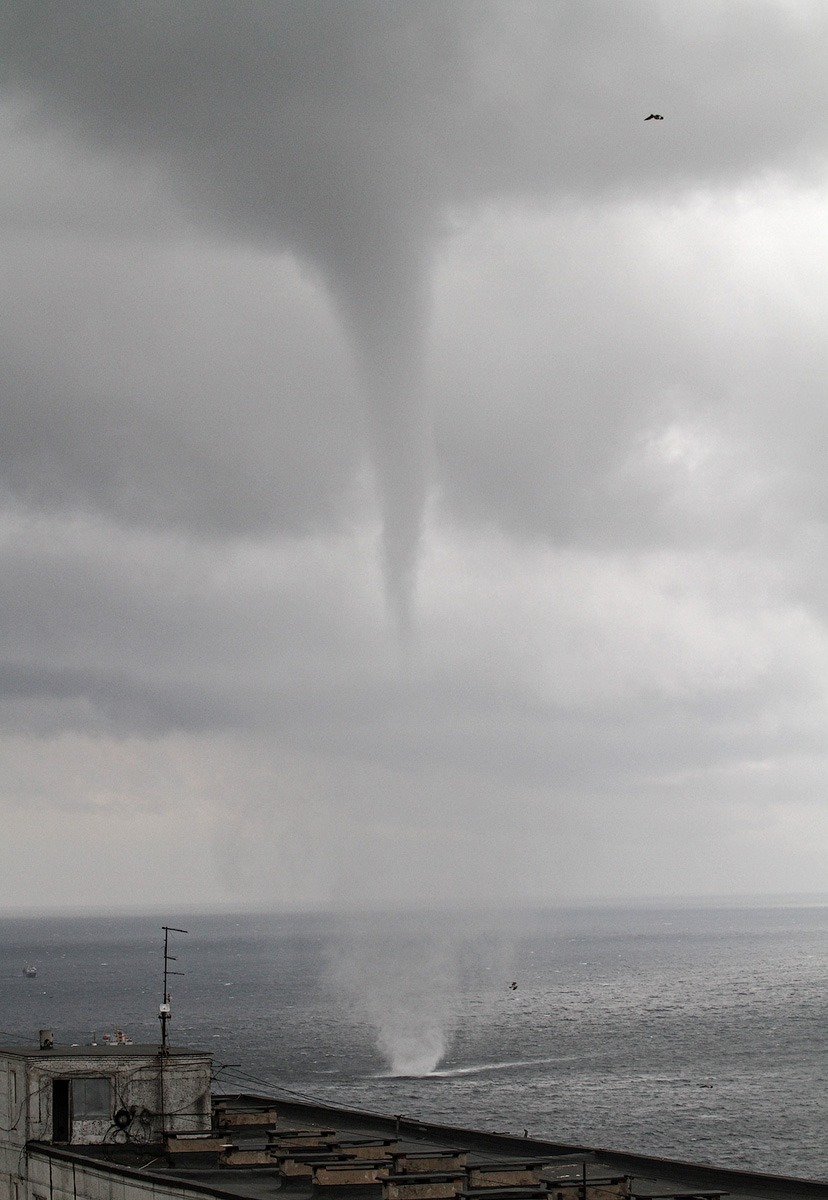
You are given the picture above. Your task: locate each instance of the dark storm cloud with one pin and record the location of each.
(349, 134)
(114, 635)
(176, 389)
(316, 119)
(147, 639)
(249, 247)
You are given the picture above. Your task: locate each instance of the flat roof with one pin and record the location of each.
(101, 1050)
(651, 1176)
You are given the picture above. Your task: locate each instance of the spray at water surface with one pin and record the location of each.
(422, 983)
(405, 985)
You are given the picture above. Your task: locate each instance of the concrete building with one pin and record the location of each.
(95, 1095)
(126, 1122)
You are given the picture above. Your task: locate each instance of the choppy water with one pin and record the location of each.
(697, 1033)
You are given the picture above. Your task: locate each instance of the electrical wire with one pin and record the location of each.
(21, 1108)
(240, 1076)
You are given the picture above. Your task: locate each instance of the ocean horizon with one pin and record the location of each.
(687, 1029)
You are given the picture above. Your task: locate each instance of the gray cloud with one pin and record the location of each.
(176, 390)
(250, 251)
(348, 133)
(649, 392)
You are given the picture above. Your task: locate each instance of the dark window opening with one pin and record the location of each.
(61, 1121)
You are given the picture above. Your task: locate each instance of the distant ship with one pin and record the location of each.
(29, 971)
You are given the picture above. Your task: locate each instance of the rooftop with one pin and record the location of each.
(261, 1146)
(111, 1049)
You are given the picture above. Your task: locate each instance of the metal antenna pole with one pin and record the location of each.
(164, 1013)
(164, 1016)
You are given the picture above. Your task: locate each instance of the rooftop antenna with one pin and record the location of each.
(164, 1012)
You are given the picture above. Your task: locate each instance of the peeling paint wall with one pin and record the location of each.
(149, 1094)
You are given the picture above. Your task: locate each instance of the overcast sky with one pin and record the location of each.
(412, 461)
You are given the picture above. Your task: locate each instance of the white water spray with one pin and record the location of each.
(405, 983)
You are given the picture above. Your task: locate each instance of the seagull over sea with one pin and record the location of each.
(654, 117)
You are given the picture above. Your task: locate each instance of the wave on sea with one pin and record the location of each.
(476, 1069)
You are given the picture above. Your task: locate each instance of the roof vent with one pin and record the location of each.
(47, 1039)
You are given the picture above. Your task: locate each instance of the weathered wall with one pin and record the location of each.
(26, 1090)
(140, 1083)
(12, 1127)
(12, 1101)
(51, 1178)
(136, 1085)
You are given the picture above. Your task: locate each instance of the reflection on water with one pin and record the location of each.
(695, 1033)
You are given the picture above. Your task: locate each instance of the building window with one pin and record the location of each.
(91, 1099)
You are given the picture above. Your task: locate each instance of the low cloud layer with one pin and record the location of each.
(335, 312)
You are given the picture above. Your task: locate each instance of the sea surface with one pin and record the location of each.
(698, 1033)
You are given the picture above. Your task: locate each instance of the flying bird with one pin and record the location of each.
(513, 985)
(654, 117)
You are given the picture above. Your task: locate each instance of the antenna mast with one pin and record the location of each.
(164, 1013)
